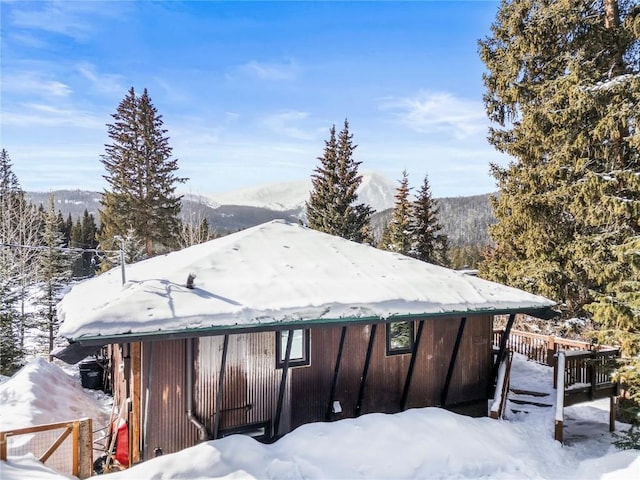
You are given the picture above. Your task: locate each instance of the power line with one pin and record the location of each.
(59, 249)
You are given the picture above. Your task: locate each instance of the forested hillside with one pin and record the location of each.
(465, 219)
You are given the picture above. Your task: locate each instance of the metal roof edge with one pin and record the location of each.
(545, 313)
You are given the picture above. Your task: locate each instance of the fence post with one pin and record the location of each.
(85, 448)
(75, 449)
(551, 349)
(559, 420)
(3, 446)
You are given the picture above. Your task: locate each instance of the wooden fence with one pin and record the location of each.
(80, 452)
(541, 348)
(587, 375)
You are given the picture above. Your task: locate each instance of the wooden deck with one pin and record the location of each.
(586, 371)
(587, 376)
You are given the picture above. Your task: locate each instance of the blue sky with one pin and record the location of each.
(249, 90)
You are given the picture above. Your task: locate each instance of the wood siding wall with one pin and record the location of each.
(251, 383)
(164, 420)
(387, 374)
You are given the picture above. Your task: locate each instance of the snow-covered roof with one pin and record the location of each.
(277, 273)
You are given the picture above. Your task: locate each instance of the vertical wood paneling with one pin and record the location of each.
(252, 380)
(250, 384)
(168, 427)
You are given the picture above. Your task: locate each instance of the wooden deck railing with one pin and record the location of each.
(80, 453)
(582, 376)
(587, 375)
(542, 348)
(585, 369)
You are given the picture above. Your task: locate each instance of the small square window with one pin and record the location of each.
(299, 348)
(399, 338)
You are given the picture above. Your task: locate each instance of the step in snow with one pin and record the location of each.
(519, 391)
(529, 402)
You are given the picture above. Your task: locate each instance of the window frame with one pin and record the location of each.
(400, 351)
(260, 431)
(303, 361)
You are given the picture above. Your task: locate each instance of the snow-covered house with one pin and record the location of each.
(279, 325)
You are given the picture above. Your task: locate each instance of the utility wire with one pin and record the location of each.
(60, 249)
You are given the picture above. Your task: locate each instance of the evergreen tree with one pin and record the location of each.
(563, 88)
(11, 355)
(66, 227)
(332, 207)
(19, 235)
(54, 274)
(83, 236)
(566, 103)
(429, 244)
(397, 235)
(142, 178)
(465, 257)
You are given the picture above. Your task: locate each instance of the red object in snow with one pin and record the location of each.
(122, 444)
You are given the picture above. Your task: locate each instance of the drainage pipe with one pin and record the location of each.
(204, 434)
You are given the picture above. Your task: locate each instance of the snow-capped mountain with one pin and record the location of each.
(375, 190)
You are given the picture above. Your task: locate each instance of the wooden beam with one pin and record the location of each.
(412, 363)
(499, 358)
(54, 446)
(365, 370)
(336, 371)
(223, 364)
(452, 362)
(283, 383)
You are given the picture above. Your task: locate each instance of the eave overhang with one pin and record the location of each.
(545, 313)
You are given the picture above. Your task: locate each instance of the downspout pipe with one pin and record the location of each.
(204, 434)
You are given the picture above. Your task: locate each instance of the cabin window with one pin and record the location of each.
(399, 338)
(299, 348)
(259, 431)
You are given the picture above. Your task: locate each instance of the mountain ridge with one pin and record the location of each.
(465, 220)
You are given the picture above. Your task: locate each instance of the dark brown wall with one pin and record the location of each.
(166, 425)
(387, 374)
(252, 382)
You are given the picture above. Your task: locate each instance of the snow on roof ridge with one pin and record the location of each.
(278, 271)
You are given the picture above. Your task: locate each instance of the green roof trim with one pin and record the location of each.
(99, 340)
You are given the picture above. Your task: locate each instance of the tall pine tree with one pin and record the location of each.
(563, 89)
(397, 235)
(19, 234)
(565, 106)
(142, 178)
(429, 243)
(11, 355)
(332, 206)
(54, 274)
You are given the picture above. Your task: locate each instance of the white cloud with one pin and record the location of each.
(110, 84)
(70, 18)
(270, 71)
(288, 122)
(439, 112)
(34, 83)
(37, 114)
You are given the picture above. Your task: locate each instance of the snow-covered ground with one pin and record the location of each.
(419, 443)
